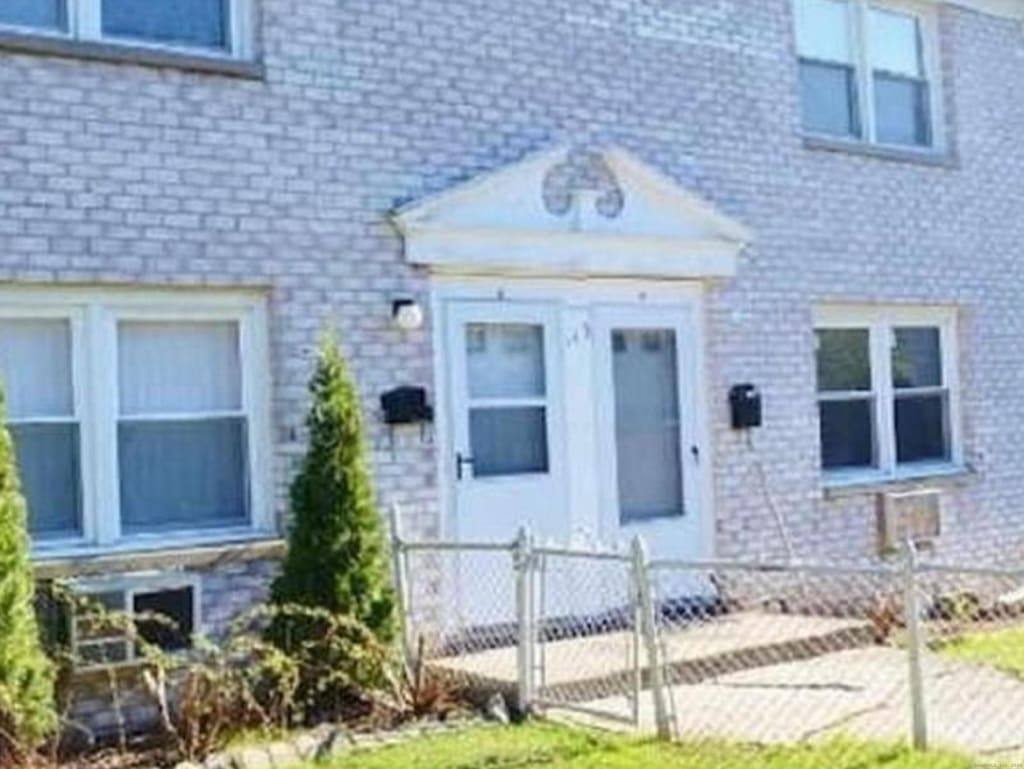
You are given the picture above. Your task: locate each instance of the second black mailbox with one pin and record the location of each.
(745, 407)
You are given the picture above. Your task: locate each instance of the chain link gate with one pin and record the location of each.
(590, 657)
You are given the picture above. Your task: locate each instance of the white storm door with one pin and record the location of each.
(649, 448)
(505, 384)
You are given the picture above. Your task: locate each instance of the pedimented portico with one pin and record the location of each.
(569, 324)
(623, 218)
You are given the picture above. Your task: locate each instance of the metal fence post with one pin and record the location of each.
(525, 584)
(400, 567)
(638, 645)
(649, 627)
(915, 647)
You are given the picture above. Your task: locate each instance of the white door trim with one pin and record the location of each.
(571, 293)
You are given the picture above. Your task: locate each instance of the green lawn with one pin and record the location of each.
(556, 747)
(1003, 649)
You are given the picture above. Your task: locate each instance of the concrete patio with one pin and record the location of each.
(860, 693)
(771, 678)
(584, 668)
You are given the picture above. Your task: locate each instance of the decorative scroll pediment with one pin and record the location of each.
(563, 213)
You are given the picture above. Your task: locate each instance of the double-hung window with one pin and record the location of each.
(887, 391)
(208, 26)
(137, 416)
(182, 432)
(43, 413)
(867, 71)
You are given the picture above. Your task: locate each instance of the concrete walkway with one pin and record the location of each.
(861, 693)
(694, 652)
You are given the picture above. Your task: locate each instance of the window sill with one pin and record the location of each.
(126, 53)
(140, 555)
(926, 157)
(841, 485)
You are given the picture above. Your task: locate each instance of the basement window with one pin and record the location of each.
(165, 612)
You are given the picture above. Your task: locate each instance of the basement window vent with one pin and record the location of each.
(166, 615)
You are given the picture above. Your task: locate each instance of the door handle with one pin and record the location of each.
(461, 460)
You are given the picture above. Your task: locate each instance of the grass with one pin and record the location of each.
(548, 746)
(1002, 649)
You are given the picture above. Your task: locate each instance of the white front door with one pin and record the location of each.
(507, 462)
(648, 432)
(505, 373)
(573, 411)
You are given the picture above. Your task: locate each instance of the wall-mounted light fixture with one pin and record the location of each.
(407, 314)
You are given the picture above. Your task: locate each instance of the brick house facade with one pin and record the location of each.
(275, 176)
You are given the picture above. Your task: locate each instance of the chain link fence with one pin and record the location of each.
(741, 652)
(589, 642)
(752, 652)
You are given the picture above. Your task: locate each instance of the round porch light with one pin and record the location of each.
(407, 314)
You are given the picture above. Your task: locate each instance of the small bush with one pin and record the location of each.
(328, 668)
(242, 683)
(27, 713)
(337, 559)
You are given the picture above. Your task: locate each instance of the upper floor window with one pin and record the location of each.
(212, 26)
(866, 71)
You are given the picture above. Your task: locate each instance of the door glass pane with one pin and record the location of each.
(917, 358)
(201, 23)
(35, 363)
(847, 434)
(922, 428)
(508, 441)
(843, 359)
(647, 429)
(894, 43)
(505, 360)
(48, 462)
(179, 368)
(828, 93)
(188, 474)
(823, 30)
(33, 13)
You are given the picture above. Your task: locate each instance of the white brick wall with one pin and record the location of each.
(113, 174)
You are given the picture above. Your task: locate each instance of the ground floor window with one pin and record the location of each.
(136, 414)
(887, 389)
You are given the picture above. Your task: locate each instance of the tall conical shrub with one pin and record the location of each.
(337, 557)
(27, 712)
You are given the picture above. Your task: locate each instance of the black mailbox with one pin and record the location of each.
(745, 407)
(406, 406)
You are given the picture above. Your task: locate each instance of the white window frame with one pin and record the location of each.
(880, 322)
(84, 23)
(130, 585)
(94, 318)
(75, 320)
(927, 17)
